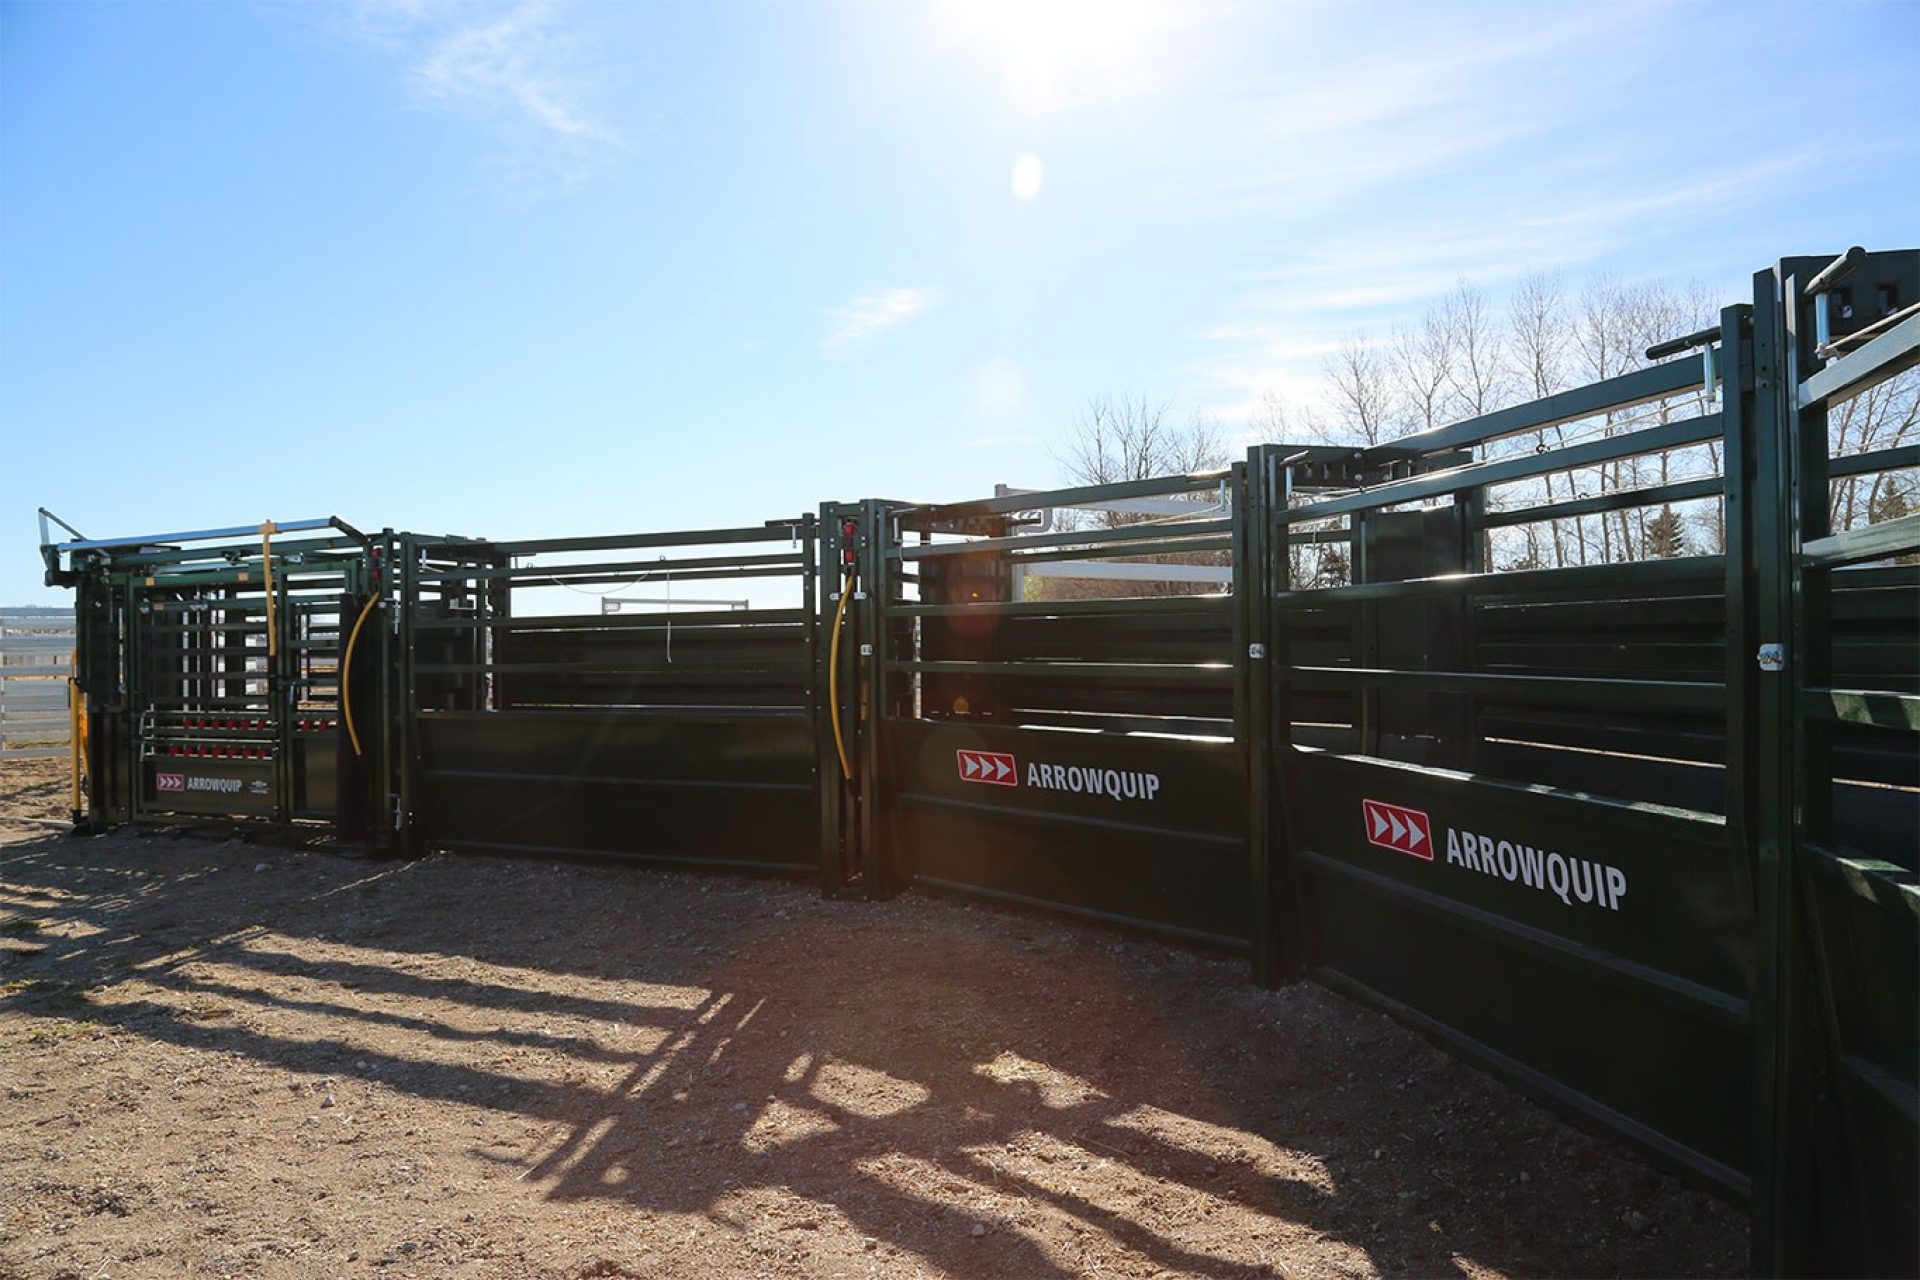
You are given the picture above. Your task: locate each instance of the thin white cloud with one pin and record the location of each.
(517, 63)
(507, 62)
(1347, 178)
(872, 314)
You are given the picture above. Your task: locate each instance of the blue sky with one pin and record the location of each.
(538, 268)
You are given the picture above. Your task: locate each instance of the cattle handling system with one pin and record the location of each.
(1637, 835)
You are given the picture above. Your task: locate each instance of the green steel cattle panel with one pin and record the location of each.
(725, 789)
(1597, 951)
(1143, 832)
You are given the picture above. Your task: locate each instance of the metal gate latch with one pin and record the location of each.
(1773, 657)
(1256, 651)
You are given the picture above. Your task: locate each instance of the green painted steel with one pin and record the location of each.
(675, 738)
(1639, 838)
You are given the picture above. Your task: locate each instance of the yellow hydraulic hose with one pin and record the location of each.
(346, 673)
(833, 680)
(76, 737)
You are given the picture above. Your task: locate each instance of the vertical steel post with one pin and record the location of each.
(1249, 698)
(1782, 1172)
(408, 703)
(834, 725)
(1740, 671)
(1366, 695)
(877, 578)
(1833, 1149)
(1279, 950)
(384, 826)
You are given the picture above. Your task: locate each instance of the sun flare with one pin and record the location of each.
(1049, 48)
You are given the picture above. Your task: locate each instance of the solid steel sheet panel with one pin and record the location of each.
(727, 788)
(214, 787)
(1593, 952)
(1145, 832)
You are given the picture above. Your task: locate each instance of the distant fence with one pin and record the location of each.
(36, 660)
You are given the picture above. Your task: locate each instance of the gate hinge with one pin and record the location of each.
(1772, 657)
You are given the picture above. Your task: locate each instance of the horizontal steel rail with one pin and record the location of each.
(732, 622)
(1620, 500)
(1626, 391)
(1182, 605)
(1675, 694)
(579, 575)
(1890, 354)
(1216, 542)
(537, 574)
(1114, 722)
(914, 517)
(192, 535)
(1150, 536)
(776, 532)
(1643, 440)
(1874, 707)
(619, 714)
(1860, 464)
(185, 557)
(702, 672)
(1573, 583)
(1125, 672)
(1131, 571)
(1871, 542)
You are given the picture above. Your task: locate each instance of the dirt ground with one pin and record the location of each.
(232, 1059)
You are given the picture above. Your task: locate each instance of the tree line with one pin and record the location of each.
(1469, 354)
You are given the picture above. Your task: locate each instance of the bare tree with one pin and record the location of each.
(1538, 332)
(1538, 337)
(1422, 364)
(1467, 356)
(1477, 372)
(1134, 437)
(1361, 404)
(1882, 417)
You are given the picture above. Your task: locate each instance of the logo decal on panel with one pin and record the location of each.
(194, 782)
(1396, 827)
(1572, 879)
(996, 767)
(1000, 769)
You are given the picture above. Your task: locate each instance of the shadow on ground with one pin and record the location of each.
(833, 1085)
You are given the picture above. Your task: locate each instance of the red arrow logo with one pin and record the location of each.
(1398, 828)
(995, 767)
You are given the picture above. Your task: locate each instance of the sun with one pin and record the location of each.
(1050, 50)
